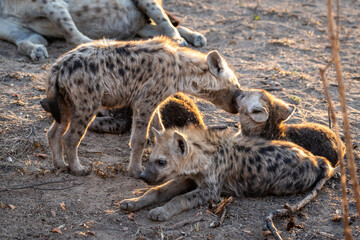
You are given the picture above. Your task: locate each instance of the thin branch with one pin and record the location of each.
(36, 186)
(331, 108)
(349, 149)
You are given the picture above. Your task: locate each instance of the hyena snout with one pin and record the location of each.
(226, 99)
(150, 176)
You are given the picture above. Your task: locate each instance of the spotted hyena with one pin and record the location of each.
(26, 23)
(202, 164)
(262, 115)
(117, 74)
(176, 111)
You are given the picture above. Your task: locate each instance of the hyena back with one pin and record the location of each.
(139, 74)
(263, 115)
(223, 163)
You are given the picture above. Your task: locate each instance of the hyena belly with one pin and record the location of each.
(119, 19)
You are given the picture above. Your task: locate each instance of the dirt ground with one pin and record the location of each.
(278, 46)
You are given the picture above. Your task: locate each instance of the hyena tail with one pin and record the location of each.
(53, 96)
(174, 21)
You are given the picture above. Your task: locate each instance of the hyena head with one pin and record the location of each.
(222, 87)
(259, 111)
(164, 160)
(171, 156)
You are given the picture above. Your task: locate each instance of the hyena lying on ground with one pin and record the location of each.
(176, 111)
(262, 115)
(26, 22)
(204, 164)
(140, 74)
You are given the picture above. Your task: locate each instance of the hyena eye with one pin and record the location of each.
(161, 163)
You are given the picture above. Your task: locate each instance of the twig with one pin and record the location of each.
(349, 149)
(332, 116)
(269, 224)
(32, 128)
(35, 186)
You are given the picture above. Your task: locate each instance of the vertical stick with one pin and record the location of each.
(349, 150)
(331, 108)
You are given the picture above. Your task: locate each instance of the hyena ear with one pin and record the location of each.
(285, 110)
(180, 144)
(216, 63)
(259, 113)
(157, 133)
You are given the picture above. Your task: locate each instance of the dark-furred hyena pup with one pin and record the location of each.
(222, 163)
(262, 115)
(139, 74)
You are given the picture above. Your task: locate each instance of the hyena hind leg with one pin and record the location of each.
(269, 224)
(72, 139)
(28, 42)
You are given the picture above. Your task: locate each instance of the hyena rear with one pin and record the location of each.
(139, 74)
(263, 115)
(222, 163)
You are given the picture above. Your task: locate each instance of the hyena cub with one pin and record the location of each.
(262, 115)
(139, 74)
(222, 163)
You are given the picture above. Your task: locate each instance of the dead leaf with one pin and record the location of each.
(12, 206)
(57, 230)
(109, 211)
(62, 205)
(81, 233)
(41, 155)
(2, 205)
(90, 233)
(131, 217)
(267, 233)
(248, 232)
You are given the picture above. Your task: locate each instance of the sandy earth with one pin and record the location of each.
(279, 46)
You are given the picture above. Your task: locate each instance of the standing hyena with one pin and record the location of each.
(26, 22)
(262, 115)
(204, 164)
(140, 74)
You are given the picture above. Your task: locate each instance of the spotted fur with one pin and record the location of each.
(139, 74)
(201, 165)
(26, 22)
(263, 115)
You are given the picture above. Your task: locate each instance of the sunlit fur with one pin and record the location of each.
(139, 74)
(316, 138)
(225, 163)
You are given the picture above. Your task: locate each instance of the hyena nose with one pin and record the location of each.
(143, 176)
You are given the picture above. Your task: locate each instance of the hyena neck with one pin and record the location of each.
(193, 72)
(203, 145)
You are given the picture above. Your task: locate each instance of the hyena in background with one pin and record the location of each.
(139, 74)
(176, 111)
(262, 115)
(26, 22)
(203, 164)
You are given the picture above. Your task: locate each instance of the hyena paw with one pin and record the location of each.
(38, 52)
(79, 39)
(159, 214)
(80, 170)
(199, 40)
(181, 41)
(129, 204)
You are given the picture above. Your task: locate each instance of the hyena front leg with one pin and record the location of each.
(57, 12)
(183, 202)
(152, 9)
(142, 117)
(159, 194)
